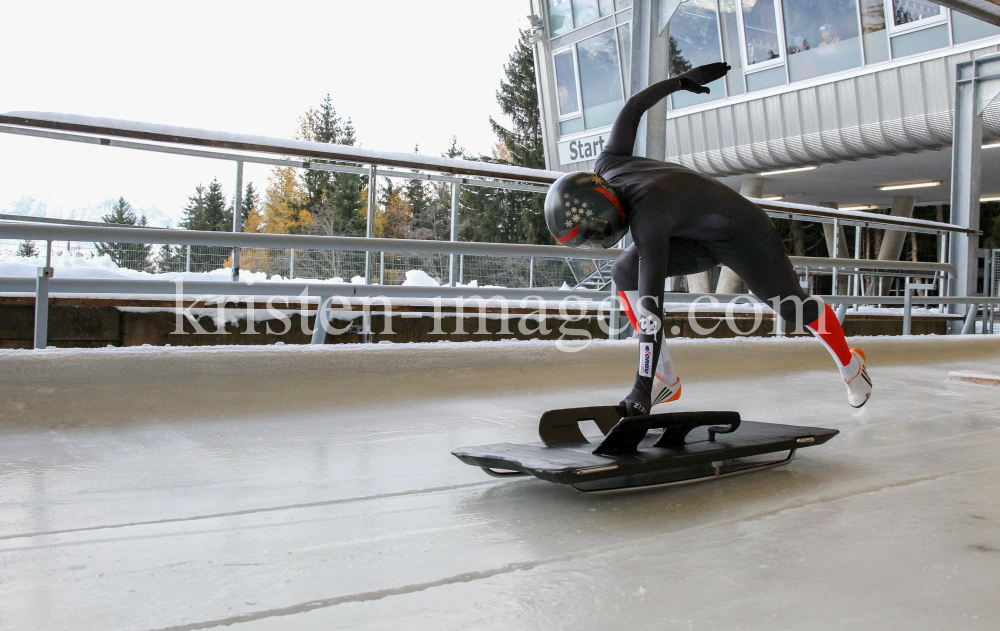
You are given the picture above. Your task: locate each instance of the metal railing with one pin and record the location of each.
(375, 257)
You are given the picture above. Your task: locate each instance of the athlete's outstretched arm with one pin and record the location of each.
(622, 138)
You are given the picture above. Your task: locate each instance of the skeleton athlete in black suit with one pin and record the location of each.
(682, 223)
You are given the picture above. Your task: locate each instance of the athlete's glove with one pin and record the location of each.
(706, 74)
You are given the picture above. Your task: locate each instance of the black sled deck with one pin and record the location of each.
(691, 446)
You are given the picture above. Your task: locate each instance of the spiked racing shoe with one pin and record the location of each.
(859, 388)
(664, 393)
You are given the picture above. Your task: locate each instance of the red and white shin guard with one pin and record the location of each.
(851, 361)
(666, 383)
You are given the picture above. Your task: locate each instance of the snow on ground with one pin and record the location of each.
(67, 265)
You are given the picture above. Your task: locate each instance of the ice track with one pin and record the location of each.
(301, 488)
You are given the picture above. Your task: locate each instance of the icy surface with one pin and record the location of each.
(344, 513)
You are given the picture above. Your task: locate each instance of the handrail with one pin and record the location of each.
(114, 233)
(532, 180)
(321, 289)
(821, 214)
(263, 144)
(45, 232)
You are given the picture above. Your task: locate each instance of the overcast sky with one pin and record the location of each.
(406, 72)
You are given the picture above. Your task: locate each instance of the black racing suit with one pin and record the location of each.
(682, 223)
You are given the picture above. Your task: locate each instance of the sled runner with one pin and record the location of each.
(691, 446)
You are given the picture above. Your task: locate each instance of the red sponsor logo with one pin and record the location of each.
(572, 233)
(614, 200)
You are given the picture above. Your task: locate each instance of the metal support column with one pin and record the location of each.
(836, 249)
(857, 256)
(531, 273)
(291, 263)
(187, 265)
(977, 84)
(42, 299)
(455, 190)
(381, 267)
(370, 223)
(237, 217)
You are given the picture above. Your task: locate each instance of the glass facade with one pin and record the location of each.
(625, 53)
(821, 37)
(874, 34)
(906, 11)
(566, 84)
(560, 17)
(695, 40)
(731, 46)
(768, 43)
(585, 12)
(600, 79)
(760, 31)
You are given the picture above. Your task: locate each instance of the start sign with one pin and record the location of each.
(580, 149)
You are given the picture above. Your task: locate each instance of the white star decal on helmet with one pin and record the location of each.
(569, 223)
(590, 213)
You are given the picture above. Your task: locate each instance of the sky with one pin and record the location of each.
(406, 72)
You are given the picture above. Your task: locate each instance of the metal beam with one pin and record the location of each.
(977, 83)
(985, 10)
(262, 144)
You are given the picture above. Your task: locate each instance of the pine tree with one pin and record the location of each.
(511, 216)
(128, 255)
(340, 191)
(251, 202)
(27, 249)
(207, 210)
(518, 98)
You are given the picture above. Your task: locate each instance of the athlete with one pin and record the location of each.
(682, 223)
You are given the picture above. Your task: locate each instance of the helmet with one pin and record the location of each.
(583, 211)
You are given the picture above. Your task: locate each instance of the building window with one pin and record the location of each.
(907, 11)
(694, 41)
(600, 79)
(625, 53)
(569, 102)
(585, 12)
(873, 31)
(731, 46)
(820, 37)
(560, 17)
(760, 29)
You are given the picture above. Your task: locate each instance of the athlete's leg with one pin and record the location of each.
(683, 257)
(759, 258)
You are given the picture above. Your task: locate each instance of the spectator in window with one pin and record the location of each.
(829, 36)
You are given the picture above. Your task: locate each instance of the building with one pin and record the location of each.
(859, 91)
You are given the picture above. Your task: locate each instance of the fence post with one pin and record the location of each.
(291, 263)
(531, 273)
(187, 266)
(455, 186)
(381, 268)
(42, 299)
(857, 256)
(322, 316)
(237, 217)
(836, 252)
(370, 223)
(970, 320)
